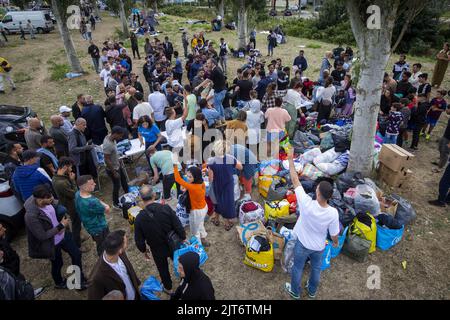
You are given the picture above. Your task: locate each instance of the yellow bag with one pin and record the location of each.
(365, 232)
(276, 209)
(263, 260)
(132, 214)
(264, 183)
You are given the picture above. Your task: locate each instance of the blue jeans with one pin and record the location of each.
(301, 254)
(390, 138)
(218, 99)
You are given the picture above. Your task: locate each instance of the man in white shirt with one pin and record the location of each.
(316, 219)
(105, 74)
(113, 270)
(141, 109)
(159, 103)
(414, 80)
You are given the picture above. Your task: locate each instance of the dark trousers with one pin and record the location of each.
(99, 238)
(416, 135)
(117, 182)
(22, 35)
(400, 137)
(185, 47)
(76, 228)
(167, 183)
(135, 51)
(444, 186)
(4, 36)
(324, 112)
(163, 268)
(252, 40)
(444, 151)
(69, 246)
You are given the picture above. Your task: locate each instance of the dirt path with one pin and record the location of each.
(425, 247)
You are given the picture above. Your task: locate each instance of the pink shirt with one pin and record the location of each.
(276, 119)
(51, 214)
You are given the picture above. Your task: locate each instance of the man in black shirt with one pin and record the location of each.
(218, 79)
(95, 55)
(418, 118)
(404, 87)
(424, 86)
(338, 74)
(243, 88)
(48, 161)
(168, 48)
(114, 114)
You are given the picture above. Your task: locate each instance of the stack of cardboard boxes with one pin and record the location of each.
(395, 164)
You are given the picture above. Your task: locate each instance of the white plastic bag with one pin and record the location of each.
(287, 262)
(297, 164)
(251, 216)
(309, 155)
(237, 190)
(182, 215)
(330, 169)
(326, 157)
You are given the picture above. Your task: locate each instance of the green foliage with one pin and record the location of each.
(58, 71)
(20, 3)
(114, 6)
(189, 12)
(313, 46)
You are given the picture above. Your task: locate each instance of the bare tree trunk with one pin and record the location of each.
(155, 6)
(71, 53)
(123, 19)
(299, 8)
(374, 49)
(287, 4)
(242, 24)
(222, 8)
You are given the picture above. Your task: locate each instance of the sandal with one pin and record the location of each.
(215, 221)
(229, 226)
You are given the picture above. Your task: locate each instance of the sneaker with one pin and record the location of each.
(287, 288)
(421, 134)
(427, 137)
(14, 89)
(437, 203)
(310, 295)
(38, 292)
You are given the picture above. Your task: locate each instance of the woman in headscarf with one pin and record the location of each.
(221, 168)
(195, 284)
(443, 57)
(198, 207)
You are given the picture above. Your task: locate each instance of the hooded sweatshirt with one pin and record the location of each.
(255, 117)
(27, 177)
(195, 285)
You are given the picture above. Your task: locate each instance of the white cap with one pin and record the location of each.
(63, 109)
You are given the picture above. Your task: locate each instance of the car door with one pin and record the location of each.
(10, 24)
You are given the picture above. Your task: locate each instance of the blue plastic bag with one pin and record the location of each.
(335, 251)
(387, 238)
(193, 246)
(326, 258)
(150, 287)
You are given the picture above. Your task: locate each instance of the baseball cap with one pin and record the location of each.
(29, 154)
(63, 109)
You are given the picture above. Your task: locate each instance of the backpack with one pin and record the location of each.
(14, 288)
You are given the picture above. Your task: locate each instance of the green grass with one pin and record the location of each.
(58, 71)
(21, 76)
(313, 46)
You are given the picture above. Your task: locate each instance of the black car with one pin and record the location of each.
(13, 121)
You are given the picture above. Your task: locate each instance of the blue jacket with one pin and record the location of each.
(27, 177)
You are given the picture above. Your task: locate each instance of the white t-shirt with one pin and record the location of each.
(158, 102)
(254, 121)
(121, 270)
(328, 93)
(314, 221)
(142, 109)
(105, 75)
(174, 132)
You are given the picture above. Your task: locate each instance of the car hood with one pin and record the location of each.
(10, 113)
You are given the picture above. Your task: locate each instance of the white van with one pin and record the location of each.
(41, 21)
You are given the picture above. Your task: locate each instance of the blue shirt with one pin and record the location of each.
(150, 134)
(211, 115)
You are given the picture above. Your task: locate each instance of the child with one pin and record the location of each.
(393, 127)
(406, 113)
(339, 102)
(198, 206)
(438, 105)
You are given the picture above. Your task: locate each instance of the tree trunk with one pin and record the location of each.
(374, 50)
(299, 8)
(287, 4)
(155, 6)
(123, 18)
(242, 24)
(222, 9)
(71, 53)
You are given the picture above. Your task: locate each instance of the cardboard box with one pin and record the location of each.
(395, 158)
(389, 205)
(393, 178)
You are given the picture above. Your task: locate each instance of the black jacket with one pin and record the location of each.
(11, 259)
(155, 234)
(40, 231)
(114, 116)
(419, 114)
(195, 285)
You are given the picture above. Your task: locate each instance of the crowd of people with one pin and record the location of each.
(57, 175)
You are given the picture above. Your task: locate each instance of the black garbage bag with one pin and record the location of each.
(405, 212)
(349, 180)
(341, 142)
(277, 190)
